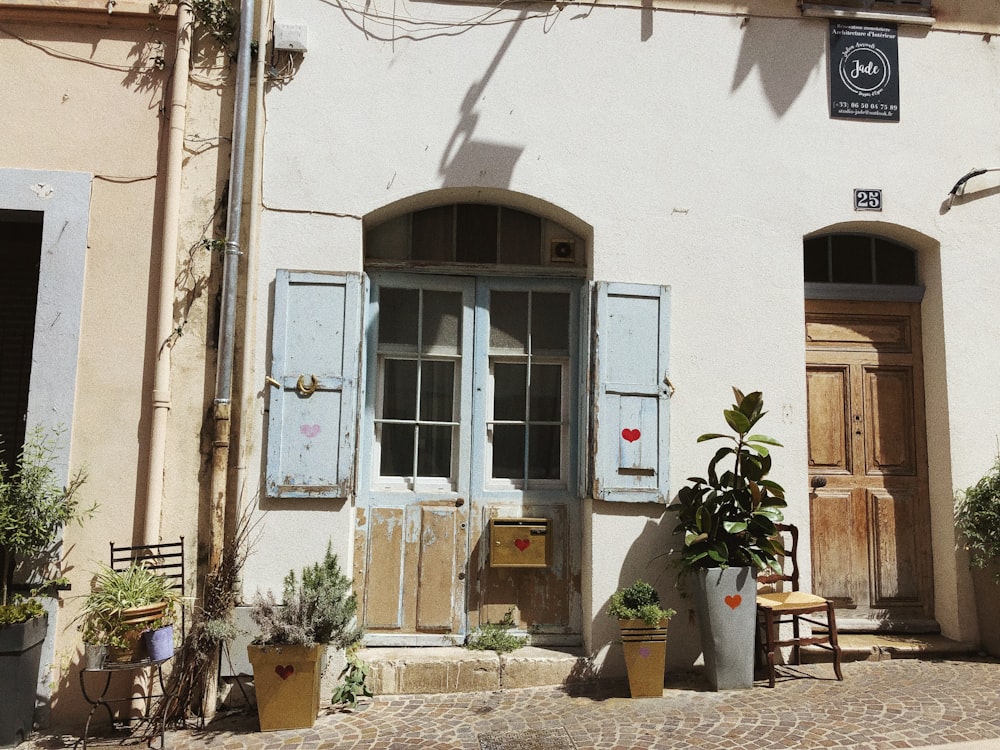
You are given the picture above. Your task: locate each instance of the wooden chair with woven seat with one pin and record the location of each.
(777, 608)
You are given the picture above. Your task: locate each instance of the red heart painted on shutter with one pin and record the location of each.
(284, 672)
(734, 601)
(522, 544)
(631, 435)
(310, 430)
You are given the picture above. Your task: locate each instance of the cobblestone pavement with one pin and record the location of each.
(903, 703)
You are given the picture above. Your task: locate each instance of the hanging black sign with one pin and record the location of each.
(864, 71)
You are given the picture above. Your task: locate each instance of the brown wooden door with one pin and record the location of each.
(868, 464)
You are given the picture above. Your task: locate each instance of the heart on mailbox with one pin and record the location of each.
(284, 672)
(734, 601)
(631, 435)
(522, 544)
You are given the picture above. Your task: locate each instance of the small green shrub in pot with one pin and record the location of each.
(643, 624)
(640, 601)
(286, 656)
(318, 609)
(977, 517)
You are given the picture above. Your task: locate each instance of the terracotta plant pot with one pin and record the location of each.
(132, 651)
(645, 649)
(141, 615)
(286, 680)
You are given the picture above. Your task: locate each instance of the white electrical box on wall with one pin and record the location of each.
(289, 37)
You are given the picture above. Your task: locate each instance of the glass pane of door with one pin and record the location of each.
(528, 419)
(416, 419)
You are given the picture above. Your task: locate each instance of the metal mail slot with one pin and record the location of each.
(519, 542)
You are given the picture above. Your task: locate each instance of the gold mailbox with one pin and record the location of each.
(519, 542)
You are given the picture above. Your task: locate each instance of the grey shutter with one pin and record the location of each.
(631, 418)
(315, 366)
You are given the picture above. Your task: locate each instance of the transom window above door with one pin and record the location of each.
(858, 259)
(474, 233)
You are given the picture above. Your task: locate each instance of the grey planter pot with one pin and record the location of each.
(20, 656)
(726, 605)
(987, 593)
(95, 655)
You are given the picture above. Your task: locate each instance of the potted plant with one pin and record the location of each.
(728, 522)
(643, 626)
(977, 517)
(317, 610)
(122, 604)
(94, 632)
(34, 508)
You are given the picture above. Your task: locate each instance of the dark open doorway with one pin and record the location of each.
(20, 252)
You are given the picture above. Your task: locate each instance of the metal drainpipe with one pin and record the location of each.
(177, 114)
(222, 427)
(253, 234)
(230, 278)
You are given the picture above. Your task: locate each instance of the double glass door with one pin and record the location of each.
(471, 414)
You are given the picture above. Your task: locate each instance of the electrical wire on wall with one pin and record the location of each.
(400, 24)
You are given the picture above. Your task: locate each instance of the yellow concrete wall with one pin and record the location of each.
(89, 96)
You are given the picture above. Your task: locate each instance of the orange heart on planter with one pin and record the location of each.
(284, 672)
(522, 544)
(734, 601)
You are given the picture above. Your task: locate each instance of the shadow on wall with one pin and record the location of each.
(481, 163)
(467, 161)
(650, 557)
(784, 61)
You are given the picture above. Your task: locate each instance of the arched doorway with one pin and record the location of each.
(473, 379)
(869, 506)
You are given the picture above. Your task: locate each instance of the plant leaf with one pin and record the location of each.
(713, 436)
(738, 421)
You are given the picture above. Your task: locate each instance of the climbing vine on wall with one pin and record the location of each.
(219, 18)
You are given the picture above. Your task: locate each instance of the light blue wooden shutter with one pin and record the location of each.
(631, 416)
(315, 362)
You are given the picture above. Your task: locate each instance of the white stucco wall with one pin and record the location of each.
(698, 150)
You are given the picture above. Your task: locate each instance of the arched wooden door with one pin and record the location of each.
(868, 464)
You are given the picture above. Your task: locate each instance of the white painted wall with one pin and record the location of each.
(696, 151)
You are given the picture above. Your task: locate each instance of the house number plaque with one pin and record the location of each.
(867, 200)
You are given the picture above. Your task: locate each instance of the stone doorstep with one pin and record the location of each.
(452, 669)
(884, 646)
